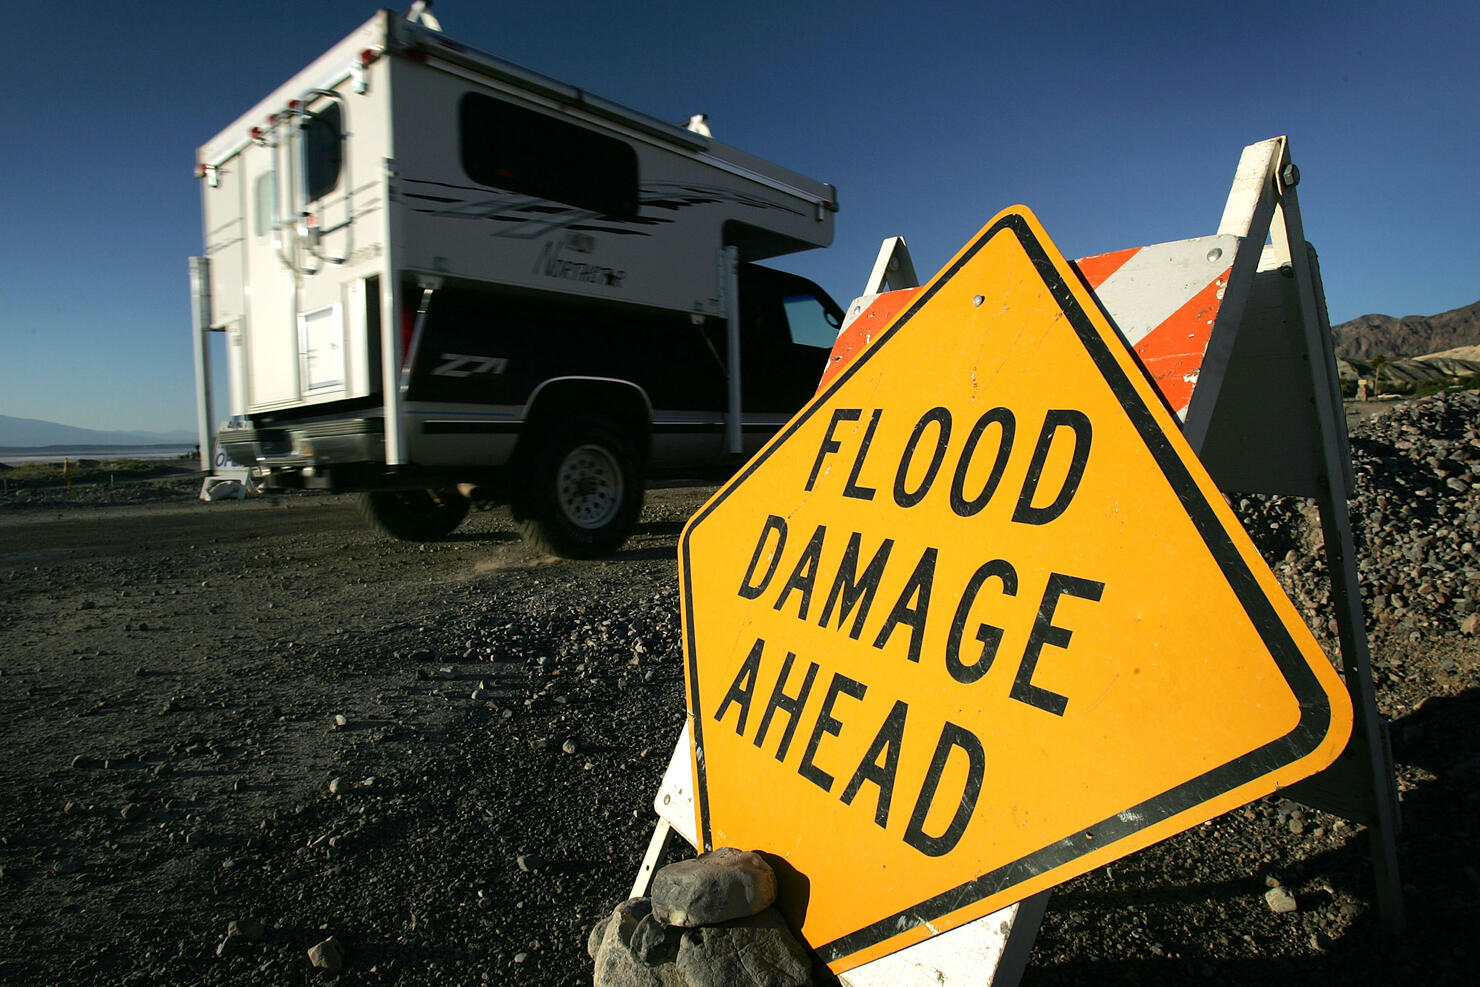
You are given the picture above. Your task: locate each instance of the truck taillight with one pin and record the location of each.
(357, 71)
(408, 325)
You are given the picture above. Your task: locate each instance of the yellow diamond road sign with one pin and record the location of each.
(977, 621)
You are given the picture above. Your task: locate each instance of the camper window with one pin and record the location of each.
(323, 150)
(509, 147)
(264, 202)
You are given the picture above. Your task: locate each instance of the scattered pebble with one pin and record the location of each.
(1280, 900)
(327, 955)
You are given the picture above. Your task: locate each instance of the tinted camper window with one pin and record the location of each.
(324, 149)
(509, 147)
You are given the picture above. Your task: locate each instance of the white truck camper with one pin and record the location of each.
(445, 279)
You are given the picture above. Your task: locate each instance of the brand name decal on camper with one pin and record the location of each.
(552, 265)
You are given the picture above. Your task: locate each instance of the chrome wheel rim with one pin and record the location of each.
(588, 487)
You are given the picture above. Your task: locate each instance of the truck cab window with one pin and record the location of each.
(519, 150)
(323, 139)
(811, 323)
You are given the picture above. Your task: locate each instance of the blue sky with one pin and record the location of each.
(1119, 125)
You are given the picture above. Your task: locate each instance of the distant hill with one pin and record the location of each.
(20, 433)
(1412, 335)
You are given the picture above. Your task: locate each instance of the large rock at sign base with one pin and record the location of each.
(616, 966)
(756, 951)
(719, 886)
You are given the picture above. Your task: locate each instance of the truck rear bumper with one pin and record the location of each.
(305, 446)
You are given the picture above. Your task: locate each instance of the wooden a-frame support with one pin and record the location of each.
(1267, 417)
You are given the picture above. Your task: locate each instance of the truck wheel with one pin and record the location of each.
(414, 515)
(584, 490)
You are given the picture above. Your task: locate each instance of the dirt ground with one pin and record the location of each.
(445, 755)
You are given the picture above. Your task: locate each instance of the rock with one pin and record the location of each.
(654, 943)
(716, 887)
(340, 721)
(251, 929)
(530, 862)
(1280, 900)
(594, 937)
(756, 951)
(327, 955)
(337, 785)
(1470, 624)
(131, 812)
(570, 747)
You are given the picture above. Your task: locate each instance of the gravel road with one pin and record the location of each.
(444, 756)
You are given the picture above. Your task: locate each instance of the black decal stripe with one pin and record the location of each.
(431, 198)
(1315, 712)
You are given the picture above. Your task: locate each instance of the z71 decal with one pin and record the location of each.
(467, 365)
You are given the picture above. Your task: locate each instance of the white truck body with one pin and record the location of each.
(418, 251)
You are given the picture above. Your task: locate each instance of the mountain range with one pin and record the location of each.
(24, 433)
(1371, 336)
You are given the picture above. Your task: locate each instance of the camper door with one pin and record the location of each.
(299, 239)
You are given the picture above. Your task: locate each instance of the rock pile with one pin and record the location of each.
(1416, 518)
(709, 923)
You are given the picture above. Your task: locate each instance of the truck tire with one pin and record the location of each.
(584, 489)
(414, 515)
